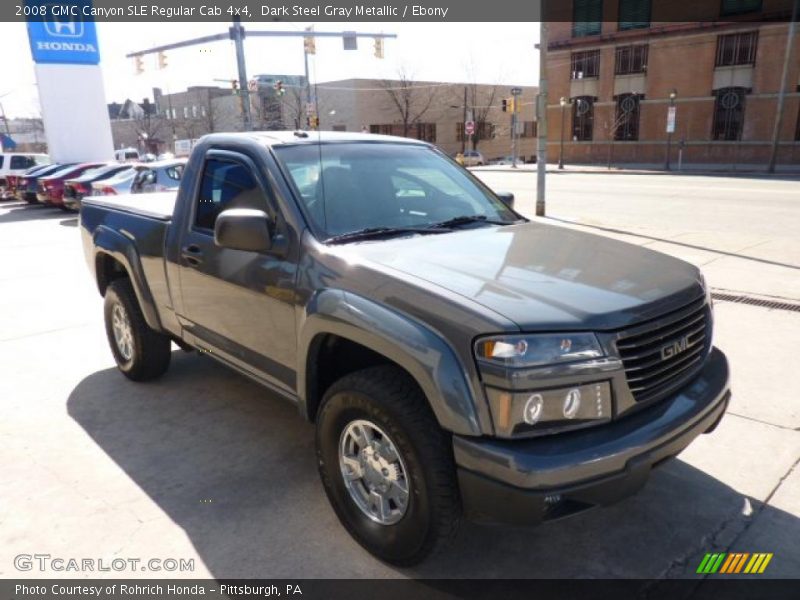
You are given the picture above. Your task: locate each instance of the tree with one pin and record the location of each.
(412, 102)
(481, 102)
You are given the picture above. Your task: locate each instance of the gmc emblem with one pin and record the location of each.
(675, 348)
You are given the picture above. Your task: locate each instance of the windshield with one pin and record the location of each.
(349, 187)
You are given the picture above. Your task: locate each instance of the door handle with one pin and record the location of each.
(192, 254)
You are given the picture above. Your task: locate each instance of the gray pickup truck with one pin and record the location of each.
(456, 359)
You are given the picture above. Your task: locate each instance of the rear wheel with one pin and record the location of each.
(141, 352)
(387, 466)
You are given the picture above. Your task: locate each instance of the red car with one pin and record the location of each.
(50, 189)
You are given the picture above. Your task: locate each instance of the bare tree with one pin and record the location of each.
(148, 127)
(481, 102)
(293, 107)
(412, 102)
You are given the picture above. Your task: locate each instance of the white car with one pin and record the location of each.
(16, 163)
(473, 158)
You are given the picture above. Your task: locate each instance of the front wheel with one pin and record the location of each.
(141, 352)
(387, 466)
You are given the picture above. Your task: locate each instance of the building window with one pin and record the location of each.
(626, 125)
(737, 49)
(729, 113)
(420, 131)
(426, 132)
(194, 112)
(582, 118)
(587, 16)
(185, 112)
(483, 131)
(203, 110)
(529, 129)
(738, 7)
(634, 14)
(631, 59)
(585, 64)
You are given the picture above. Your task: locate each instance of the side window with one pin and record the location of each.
(175, 172)
(20, 162)
(2, 158)
(226, 184)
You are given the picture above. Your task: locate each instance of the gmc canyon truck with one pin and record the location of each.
(457, 360)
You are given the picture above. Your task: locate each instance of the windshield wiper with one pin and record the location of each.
(379, 232)
(466, 219)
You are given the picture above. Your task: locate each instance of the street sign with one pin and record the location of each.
(469, 127)
(64, 39)
(671, 114)
(515, 91)
(252, 85)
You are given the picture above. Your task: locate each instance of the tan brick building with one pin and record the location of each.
(617, 62)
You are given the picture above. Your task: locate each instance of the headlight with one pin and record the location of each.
(536, 350)
(707, 290)
(546, 411)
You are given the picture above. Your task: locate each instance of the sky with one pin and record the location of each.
(495, 53)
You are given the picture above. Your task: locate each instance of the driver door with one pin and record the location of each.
(235, 303)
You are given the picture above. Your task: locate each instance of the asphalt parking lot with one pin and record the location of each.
(204, 464)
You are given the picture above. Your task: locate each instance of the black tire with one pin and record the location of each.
(389, 398)
(151, 350)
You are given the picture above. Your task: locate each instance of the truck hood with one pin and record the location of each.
(543, 277)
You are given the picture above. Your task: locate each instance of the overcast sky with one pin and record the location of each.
(484, 52)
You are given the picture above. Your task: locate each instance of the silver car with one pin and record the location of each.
(160, 176)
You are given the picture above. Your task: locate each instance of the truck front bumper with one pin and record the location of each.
(524, 482)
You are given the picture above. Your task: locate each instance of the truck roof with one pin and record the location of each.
(276, 138)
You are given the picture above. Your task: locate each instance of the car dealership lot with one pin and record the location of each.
(204, 464)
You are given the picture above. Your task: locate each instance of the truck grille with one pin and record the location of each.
(660, 358)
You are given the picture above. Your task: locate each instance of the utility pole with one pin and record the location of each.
(464, 135)
(541, 112)
(237, 35)
(776, 132)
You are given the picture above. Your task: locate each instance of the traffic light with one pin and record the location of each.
(139, 65)
(309, 44)
(511, 104)
(162, 60)
(235, 87)
(279, 88)
(313, 122)
(505, 105)
(378, 47)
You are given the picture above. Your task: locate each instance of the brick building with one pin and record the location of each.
(619, 65)
(431, 111)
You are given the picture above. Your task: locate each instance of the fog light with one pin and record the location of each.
(552, 499)
(541, 411)
(533, 409)
(572, 403)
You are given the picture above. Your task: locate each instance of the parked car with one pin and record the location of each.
(75, 189)
(455, 357)
(473, 158)
(50, 189)
(16, 163)
(158, 176)
(127, 155)
(118, 184)
(27, 185)
(505, 160)
(13, 181)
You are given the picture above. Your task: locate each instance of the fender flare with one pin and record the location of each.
(422, 352)
(122, 249)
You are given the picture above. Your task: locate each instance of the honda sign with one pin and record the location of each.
(64, 39)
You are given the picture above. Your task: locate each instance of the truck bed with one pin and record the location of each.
(156, 206)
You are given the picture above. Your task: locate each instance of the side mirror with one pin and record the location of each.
(243, 229)
(506, 198)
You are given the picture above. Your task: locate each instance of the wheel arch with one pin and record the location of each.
(367, 333)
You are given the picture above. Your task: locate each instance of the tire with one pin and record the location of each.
(388, 399)
(145, 353)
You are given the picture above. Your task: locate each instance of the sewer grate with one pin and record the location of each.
(752, 301)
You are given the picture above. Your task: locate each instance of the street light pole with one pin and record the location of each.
(541, 126)
(672, 95)
(563, 102)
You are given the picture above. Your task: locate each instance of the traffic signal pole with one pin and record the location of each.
(237, 35)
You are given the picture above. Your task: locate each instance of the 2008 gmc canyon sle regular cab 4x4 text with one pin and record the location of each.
(455, 358)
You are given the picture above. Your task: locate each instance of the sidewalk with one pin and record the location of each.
(650, 169)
